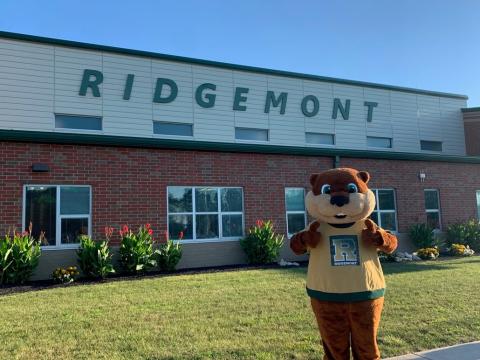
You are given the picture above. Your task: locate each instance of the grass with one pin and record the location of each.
(252, 314)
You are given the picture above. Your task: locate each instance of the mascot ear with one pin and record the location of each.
(365, 176)
(313, 179)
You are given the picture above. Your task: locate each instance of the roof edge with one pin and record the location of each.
(118, 50)
(472, 109)
(141, 142)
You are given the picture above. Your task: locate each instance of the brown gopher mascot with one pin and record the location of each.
(345, 280)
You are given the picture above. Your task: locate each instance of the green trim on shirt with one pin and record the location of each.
(348, 297)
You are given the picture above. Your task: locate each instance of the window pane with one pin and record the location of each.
(179, 199)
(431, 145)
(72, 229)
(207, 226)
(178, 223)
(296, 222)
(231, 199)
(379, 142)
(78, 122)
(431, 200)
(386, 200)
(74, 200)
(166, 128)
(433, 219)
(40, 210)
(388, 221)
(478, 204)
(374, 217)
(317, 138)
(206, 200)
(232, 225)
(295, 199)
(251, 134)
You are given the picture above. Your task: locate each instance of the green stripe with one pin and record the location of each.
(111, 49)
(356, 296)
(472, 109)
(108, 140)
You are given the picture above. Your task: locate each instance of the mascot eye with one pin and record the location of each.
(352, 188)
(326, 189)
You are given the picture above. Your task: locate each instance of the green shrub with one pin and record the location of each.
(94, 258)
(136, 250)
(169, 254)
(19, 255)
(384, 257)
(65, 276)
(422, 236)
(262, 245)
(467, 233)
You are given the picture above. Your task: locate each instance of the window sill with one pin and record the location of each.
(60, 247)
(201, 241)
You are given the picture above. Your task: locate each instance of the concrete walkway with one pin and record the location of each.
(469, 351)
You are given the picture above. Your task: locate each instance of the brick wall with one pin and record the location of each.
(471, 124)
(129, 184)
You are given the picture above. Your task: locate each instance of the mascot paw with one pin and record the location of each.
(303, 240)
(372, 234)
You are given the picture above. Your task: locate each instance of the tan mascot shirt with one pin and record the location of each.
(342, 268)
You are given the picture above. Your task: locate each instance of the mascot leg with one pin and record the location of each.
(365, 317)
(333, 323)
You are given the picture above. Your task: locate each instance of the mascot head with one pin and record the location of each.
(340, 196)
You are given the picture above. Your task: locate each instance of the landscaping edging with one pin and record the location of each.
(38, 285)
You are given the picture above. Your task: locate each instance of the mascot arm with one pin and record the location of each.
(378, 237)
(303, 240)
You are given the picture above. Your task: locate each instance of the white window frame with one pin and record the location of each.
(219, 213)
(287, 212)
(477, 197)
(434, 210)
(380, 211)
(78, 131)
(58, 216)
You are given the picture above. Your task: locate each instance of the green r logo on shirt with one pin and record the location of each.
(344, 250)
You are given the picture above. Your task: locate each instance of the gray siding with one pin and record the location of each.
(38, 80)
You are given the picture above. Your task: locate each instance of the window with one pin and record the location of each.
(379, 142)
(205, 213)
(78, 122)
(431, 145)
(318, 138)
(478, 204)
(295, 206)
(432, 207)
(169, 128)
(251, 134)
(62, 213)
(385, 213)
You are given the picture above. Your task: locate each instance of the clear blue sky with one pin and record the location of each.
(426, 44)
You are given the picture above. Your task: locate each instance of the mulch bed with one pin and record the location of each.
(49, 284)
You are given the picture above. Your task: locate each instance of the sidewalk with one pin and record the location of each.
(469, 351)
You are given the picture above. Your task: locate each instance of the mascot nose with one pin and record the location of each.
(339, 200)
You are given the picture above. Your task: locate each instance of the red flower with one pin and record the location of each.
(121, 233)
(259, 223)
(125, 229)
(147, 226)
(180, 236)
(150, 232)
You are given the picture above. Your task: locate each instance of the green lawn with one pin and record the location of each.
(252, 314)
